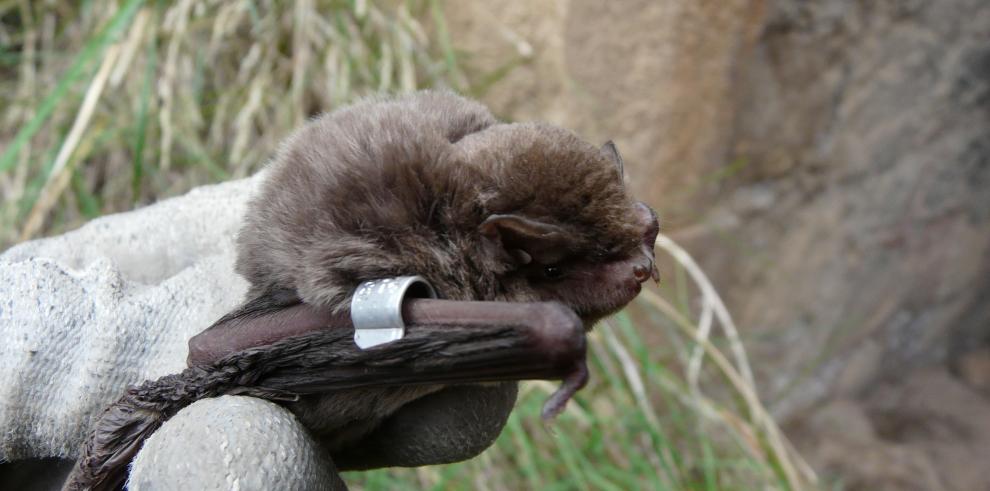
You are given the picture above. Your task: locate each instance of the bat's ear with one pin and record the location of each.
(612, 153)
(525, 239)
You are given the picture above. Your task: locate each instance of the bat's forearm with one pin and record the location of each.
(252, 329)
(434, 352)
(280, 353)
(446, 341)
(247, 329)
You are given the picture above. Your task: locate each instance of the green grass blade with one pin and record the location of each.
(443, 37)
(92, 51)
(141, 129)
(87, 202)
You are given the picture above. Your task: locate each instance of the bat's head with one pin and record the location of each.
(558, 223)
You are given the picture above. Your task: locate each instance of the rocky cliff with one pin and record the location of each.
(829, 162)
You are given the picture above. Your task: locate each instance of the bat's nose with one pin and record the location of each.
(648, 218)
(642, 272)
(651, 227)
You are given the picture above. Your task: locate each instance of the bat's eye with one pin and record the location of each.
(553, 272)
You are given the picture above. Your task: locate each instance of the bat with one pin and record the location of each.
(433, 185)
(521, 228)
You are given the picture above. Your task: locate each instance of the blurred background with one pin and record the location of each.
(826, 163)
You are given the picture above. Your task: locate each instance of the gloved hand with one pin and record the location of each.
(85, 314)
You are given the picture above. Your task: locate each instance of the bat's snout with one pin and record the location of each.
(646, 268)
(651, 224)
(643, 271)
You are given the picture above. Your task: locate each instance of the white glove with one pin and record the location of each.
(86, 314)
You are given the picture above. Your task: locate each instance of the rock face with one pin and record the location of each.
(828, 161)
(929, 431)
(869, 124)
(619, 70)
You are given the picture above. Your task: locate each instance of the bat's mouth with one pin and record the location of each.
(614, 301)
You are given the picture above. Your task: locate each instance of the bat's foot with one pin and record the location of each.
(573, 383)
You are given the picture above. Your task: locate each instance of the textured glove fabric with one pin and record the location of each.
(85, 314)
(238, 443)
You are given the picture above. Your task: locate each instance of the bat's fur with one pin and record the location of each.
(391, 187)
(401, 186)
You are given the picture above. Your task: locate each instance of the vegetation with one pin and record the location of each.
(106, 105)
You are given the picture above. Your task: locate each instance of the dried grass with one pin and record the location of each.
(107, 104)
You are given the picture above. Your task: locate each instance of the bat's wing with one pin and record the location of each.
(446, 342)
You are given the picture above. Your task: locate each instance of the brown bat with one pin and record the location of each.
(524, 230)
(432, 184)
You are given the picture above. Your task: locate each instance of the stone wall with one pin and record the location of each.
(829, 162)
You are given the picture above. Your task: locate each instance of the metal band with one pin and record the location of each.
(376, 308)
